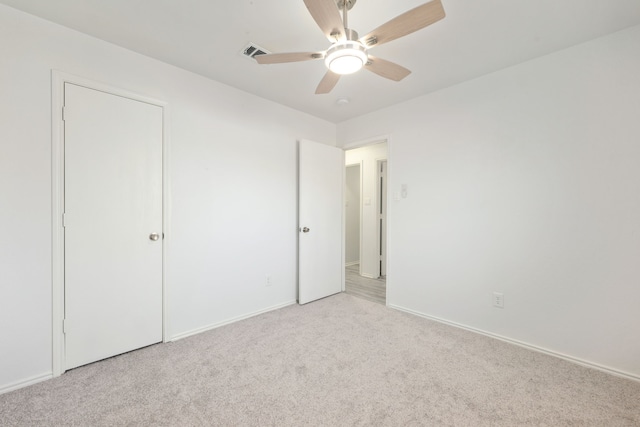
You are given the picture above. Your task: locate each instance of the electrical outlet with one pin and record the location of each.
(269, 280)
(498, 300)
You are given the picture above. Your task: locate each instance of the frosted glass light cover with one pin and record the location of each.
(346, 58)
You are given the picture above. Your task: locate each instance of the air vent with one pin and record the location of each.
(252, 50)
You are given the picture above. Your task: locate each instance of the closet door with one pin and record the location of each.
(113, 224)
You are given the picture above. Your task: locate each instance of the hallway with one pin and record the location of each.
(374, 290)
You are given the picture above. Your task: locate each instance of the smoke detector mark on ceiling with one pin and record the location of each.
(252, 50)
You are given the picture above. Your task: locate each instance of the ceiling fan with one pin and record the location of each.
(348, 53)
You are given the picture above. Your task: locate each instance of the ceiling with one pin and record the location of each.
(207, 37)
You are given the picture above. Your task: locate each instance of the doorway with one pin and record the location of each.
(365, 221)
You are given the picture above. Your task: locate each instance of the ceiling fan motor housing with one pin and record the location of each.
(350, 3)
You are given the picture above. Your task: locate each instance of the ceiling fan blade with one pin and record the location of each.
(327, 16)
(405, 24)
(386, 69)
(279, 58)
(328, 82)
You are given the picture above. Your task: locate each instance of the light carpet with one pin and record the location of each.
(340, 361)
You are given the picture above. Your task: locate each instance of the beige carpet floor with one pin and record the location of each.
(340, 361)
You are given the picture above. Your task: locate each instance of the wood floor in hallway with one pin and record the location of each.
(374, 290)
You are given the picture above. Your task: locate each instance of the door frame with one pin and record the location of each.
(383, 204)
(58, 80)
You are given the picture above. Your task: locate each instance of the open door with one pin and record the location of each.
(320, 199)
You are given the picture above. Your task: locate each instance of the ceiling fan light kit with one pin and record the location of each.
(346, 57)
(348, 53)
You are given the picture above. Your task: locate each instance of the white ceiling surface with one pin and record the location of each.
(207, 36)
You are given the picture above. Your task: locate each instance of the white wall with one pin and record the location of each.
(233, 170)
(525, 181)
(367, 157)
(352, 214)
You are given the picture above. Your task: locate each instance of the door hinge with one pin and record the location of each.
(64, 219)
(64, 326)
(64, 110)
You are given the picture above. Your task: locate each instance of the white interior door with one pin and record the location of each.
(113, 207)
(320, 198)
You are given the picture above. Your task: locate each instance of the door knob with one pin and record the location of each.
(305, 230)
(154, 236)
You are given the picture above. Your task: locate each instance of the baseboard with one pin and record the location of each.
(228, 321)
(349, 264)
(26, 382)
(369, 276)
(528, 346)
